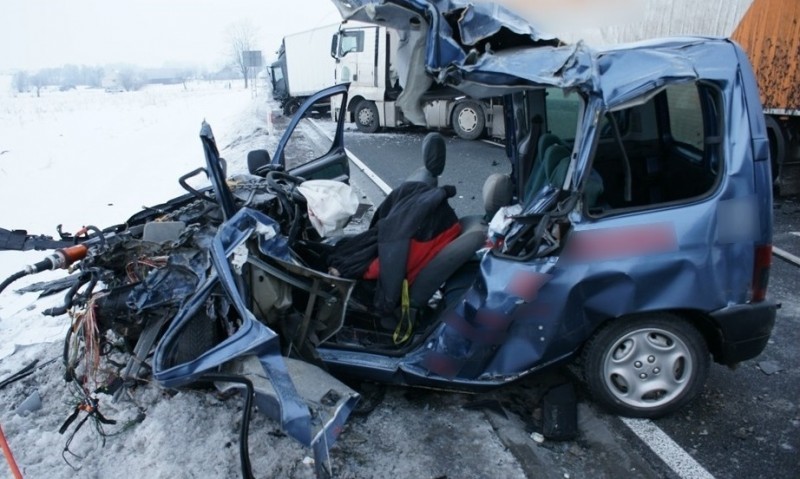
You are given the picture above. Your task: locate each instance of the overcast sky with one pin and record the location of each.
(49, 33)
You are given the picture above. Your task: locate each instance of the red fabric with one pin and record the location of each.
(420, 253)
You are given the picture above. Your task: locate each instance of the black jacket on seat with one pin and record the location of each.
(413, 210)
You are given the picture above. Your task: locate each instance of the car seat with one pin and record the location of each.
(555, 155)
(539, 175)
(434, 155)
(594, 184)
(497, 192)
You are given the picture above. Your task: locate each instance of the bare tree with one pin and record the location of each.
(92, 76)
(21, 81)
(40, 80)
(242, 38)
(131, 79)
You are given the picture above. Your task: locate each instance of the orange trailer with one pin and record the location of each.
(770, 34)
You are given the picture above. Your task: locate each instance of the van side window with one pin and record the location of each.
(667, 151)
(562, 113)
(685, 115)
(563, 109)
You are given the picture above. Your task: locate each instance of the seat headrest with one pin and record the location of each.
(497, 192)
(434, 153)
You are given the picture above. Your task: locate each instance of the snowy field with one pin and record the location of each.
(90, 157)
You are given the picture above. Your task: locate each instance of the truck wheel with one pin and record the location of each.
(777, 145)
(291, 107)
(367, 119)
(468, 120)
(646, 366)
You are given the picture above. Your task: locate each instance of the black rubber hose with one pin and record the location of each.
(68, 298)
(294, 230)
(11, 279)
(244, 450)
(96, 231)
(69, 373)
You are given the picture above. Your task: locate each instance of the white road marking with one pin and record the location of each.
(683, 464)
(360, 164)
(680, 461)
(786, 256)
(490, 142)
(370, 174)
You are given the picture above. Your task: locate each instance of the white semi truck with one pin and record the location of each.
(381, 96)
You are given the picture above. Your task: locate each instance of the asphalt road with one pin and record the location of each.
(745, 424)
(393, 157)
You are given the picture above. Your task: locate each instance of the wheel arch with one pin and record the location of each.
(351, 106)
(704, 324)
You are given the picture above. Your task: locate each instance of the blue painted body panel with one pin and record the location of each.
(699, 263)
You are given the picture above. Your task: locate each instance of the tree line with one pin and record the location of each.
(114, 77)
(242, 38)
(65, 77)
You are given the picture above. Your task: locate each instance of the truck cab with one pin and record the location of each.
(277, 78)
(385, 92)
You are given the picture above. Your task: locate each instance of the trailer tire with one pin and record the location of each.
(777, 145)
(366, 116)
(291, 107)
(468, 120)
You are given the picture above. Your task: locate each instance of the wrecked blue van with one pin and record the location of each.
(635, 238)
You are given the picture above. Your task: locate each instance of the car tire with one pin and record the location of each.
(646, 366)
(468, 120)
(366, 116)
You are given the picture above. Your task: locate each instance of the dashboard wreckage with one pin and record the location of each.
(634, 233)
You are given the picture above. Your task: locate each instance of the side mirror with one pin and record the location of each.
(257, 162)
(335, 46)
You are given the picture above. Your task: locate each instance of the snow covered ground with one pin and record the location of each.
(90, 157)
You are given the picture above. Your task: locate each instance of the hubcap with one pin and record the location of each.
(365, 116)
(468, 119)
(647, 368)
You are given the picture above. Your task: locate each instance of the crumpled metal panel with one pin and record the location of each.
(567, 67)
(179, 279)
(252, 337)
(479, 21)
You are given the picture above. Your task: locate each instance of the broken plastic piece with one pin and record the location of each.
(560, 413)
